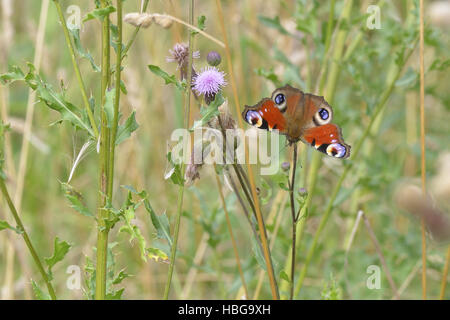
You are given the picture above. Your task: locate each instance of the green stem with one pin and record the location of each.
(135, 32)
(116, 101)
(183, 166)
(378, 109)
(76, 68)
(102, 214)
(27, 240)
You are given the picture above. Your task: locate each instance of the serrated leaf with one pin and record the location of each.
(76, 200)
(52, 99)
(120, 276)
(209, 112)
(59, 252)
(127, 128)
(15, 74)
(75, 32)
(160, 222)
(99, 13)
(168, 79)
(130, 228)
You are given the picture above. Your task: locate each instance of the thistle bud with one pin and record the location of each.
(285, 166)
(213, 58)
(302, 192)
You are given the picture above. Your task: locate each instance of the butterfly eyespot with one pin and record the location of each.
(323, 113)
(336, 150)
(280, 101)
(323, 116)
(254, 118)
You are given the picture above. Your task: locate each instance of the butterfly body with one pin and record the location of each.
(299, 116)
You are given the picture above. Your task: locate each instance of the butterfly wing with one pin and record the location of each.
(327, 138)
(265, 115)
(299, 116)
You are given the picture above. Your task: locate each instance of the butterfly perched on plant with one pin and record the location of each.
(299, 116)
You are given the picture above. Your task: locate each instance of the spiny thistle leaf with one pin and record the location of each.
(60, 250)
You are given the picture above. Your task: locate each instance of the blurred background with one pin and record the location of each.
(271, 43)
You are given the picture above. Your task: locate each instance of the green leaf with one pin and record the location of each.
(15, 74)
(5, 225)
(269, 75)
(284, 276)
(209, 112)
(200, 24)
(160, 222)
(174, 173)
(258, 254)
(52, 99)
(115, 295)
(75, 32)
(41, 295)
(168, 79)
(128, 214)
(127, 128)
(273, 23)
(99, 13)
(120, 277)
(76, 200)
(157, 255)
(60, 250)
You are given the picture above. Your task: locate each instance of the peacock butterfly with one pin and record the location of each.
(299, 116)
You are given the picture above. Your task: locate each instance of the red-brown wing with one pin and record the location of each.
(265, 115)
(327, 139)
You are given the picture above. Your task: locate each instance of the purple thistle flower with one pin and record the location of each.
(209, 81)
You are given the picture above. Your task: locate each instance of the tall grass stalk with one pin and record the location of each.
(444, 275)
(422, 147)
(260, 220)
(377, 110)
(187, 111)
(233, 240)
(27, 240)
(23, 160)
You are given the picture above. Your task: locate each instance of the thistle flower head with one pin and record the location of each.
(180, 54)
(209, 81)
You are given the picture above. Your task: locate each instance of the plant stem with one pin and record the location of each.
(84, 96)
(183, 165)
(27, 240)
(135, 32)
(294, 217)
(115, 123)
(233, 241)
(378, 109)
(102, 215)
(260, 219)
